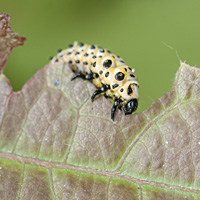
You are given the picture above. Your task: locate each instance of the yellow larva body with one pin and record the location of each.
(106, 71)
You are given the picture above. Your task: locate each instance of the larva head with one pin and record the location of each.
(130, 107)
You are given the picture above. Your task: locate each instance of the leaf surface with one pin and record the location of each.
(56, 144)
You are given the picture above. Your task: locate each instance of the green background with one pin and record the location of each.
(150, 35)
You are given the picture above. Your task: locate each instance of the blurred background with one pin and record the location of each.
(150, 35)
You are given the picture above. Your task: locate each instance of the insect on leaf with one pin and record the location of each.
(56, 144)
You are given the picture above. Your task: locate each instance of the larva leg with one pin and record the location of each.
(115, 105)
(89, 76)
(120, 107)
(81, 75)
(107, 97)
(100, 90)
(113, 111)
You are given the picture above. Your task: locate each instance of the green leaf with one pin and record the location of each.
(56, 144)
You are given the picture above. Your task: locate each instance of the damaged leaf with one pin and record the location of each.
(8, 40)
(56, 144)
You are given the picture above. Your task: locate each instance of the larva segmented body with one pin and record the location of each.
(106, 71)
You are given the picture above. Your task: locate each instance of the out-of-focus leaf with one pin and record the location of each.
(56, 144)
(8, 40)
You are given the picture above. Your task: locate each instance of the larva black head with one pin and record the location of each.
(130, 107)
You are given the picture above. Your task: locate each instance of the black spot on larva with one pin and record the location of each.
(118, 56)
(108, 51)
(107, 86)
(56, 60)
(101, 72)
(100, 56)
(59, 50)
(94, 64)
(107, 63)
(125, 69)
(81, 44)
(50, 58)
(92, 53)
(70, 61)
(69, 53)
(129, 91)
(130, 68)
(107, 74)
(102, 50)
(132, 75)
(121, 61)
(96, 75)
(61, 56)
(86, 54)
(77, 61)
(92, 47)
(93, 57)
(121, 90)
(119, 76)
(85, 62)
(77, 53)
(113, 56)
(115, 85)
(70, 45)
